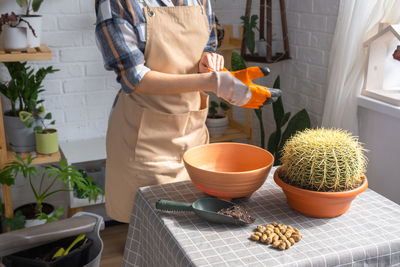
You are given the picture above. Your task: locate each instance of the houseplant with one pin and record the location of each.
(41, 212)
(217, 122)
(322, 172)
(249, 35)
(23, 91)
(34, 20)
(14, 29)
(298, 122)
(46, 138)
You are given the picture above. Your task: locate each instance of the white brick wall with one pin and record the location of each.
(81, 94)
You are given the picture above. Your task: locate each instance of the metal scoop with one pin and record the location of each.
(205, 208)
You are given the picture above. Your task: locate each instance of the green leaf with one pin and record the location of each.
(48, 116)
(22, 3)
(36, 5)
(224, 106)
(277, 83)
(38, 129)
(24, 115)
(6, 177)
(214, 104)
(52, 122)
(17, 222)
(285, 119)
(237, 62)
(29, 122)
(40, 109)
(298, 122)
(272, 143)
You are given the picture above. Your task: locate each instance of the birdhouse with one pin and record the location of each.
(382, 80)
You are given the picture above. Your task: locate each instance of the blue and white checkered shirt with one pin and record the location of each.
(121, 36)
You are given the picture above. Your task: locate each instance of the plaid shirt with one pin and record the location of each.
(121, 36)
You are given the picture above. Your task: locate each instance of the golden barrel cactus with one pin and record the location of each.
(323, 160)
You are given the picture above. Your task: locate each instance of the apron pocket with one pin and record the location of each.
(161, 136)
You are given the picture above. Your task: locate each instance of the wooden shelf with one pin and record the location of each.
(30, 54)
(40, 158)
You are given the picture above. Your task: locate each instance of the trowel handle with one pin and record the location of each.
(173, 205)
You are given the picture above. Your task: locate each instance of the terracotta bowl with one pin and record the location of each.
(228, 170)
(319, 204)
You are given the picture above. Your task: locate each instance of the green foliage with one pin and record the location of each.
(323, 160)
(16, 222)
(213, 108)
(28, 119)
(237, 62)
(57, 213)
(249, 36)
(298, 122)
(64, 173)
(24, 88)
(30, 4)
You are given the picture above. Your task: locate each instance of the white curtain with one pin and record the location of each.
(357, 21)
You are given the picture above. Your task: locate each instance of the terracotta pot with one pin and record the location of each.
(228, 170)
(319, 204)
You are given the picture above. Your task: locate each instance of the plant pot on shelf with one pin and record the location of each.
(30, 213)
(36, 22)
(47, 141)
(262, 48)
(19, 137)
(15, 38)
(318, 204)
(217, 125)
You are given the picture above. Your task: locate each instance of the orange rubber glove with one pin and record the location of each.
(237, 87)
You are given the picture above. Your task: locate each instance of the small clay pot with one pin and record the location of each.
(319, 204)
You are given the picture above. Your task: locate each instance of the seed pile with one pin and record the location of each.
(279, 235)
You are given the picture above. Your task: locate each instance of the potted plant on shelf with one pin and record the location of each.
(15, 29)
(35, 20)
(322, 172)
(217, 122)
(41, 212)
(46, 138)
(23, 91)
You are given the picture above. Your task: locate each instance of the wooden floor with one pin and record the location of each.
(114, 242)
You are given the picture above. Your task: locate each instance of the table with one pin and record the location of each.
(367, 235)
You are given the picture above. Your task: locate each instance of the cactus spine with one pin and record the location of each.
(323, 160)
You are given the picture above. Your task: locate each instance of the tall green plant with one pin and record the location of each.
(298, 122)
(249, 35)
(24, 88)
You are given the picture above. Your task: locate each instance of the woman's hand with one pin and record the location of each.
(211, 62)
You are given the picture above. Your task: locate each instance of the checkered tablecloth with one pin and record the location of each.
(367, 235)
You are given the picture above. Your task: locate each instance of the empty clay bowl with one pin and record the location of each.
(228, 170)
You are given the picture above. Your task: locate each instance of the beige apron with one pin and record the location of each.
(148, 134)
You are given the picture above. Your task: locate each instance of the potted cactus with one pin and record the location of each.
(322, 172)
